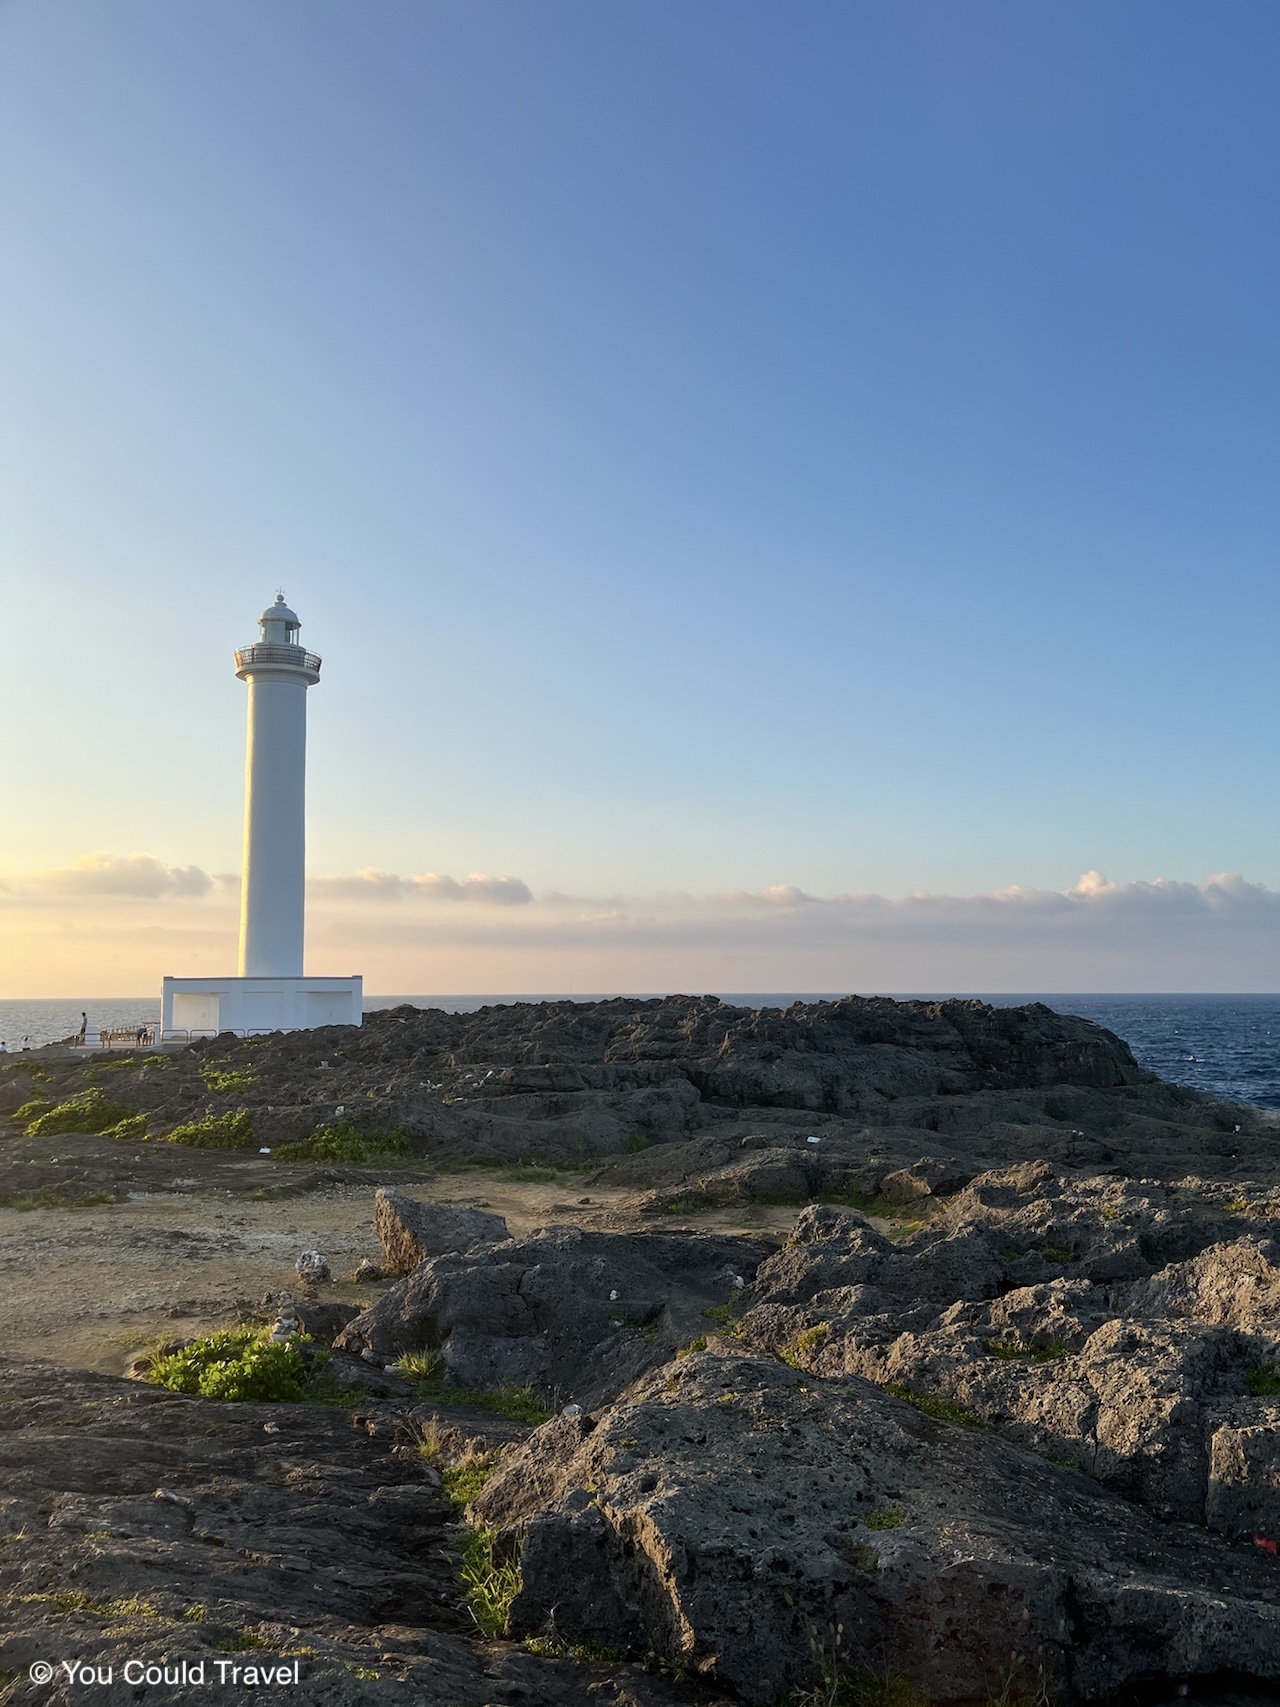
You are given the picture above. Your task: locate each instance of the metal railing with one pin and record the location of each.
(248, 657)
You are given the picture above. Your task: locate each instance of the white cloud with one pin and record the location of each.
(134, 876)
(374, 885)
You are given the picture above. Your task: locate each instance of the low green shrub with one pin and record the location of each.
(216, 1132)
(342, 1141)
(639, 1140)
(239, 1364)
(132, 1126)
(889, 1518)
(87, 1111)
(224, 1081)
(1262, 1382)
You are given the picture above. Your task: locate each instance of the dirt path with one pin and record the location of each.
(87, 1287)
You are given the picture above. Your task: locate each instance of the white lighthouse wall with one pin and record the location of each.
(271, 917)
(203, 1007)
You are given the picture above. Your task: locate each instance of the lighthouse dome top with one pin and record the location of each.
(280, 612)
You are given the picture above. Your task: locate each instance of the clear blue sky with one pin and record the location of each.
(714, 444)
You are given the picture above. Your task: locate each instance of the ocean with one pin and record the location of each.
(1228, 1045)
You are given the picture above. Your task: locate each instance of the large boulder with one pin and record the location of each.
(412, 1231)
(574, 1314)
(730, 1512)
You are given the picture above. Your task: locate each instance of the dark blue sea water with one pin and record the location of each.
(1229, 1045)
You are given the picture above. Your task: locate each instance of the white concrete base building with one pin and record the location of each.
(271, 992)
(202, 1007)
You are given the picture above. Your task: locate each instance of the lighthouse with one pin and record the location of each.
(272, 887)
(272, 992)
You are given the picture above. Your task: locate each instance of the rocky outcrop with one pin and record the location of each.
(1036, 1304)
(411, 1231)
(575, 1315)
(730, 1512)
(142, 1527)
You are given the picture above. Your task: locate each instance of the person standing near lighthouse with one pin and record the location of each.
(272, 895)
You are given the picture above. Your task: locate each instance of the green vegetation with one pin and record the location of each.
(239, 1364)
(1263, 1382)
(835, 1683)
(240, 1642)
(216, 1132)
(491, 1578)
(889, 1518)
(934, 1405)
(722, 1316)
(700, 1344)
(805, 1345)
(74, 1600)
(87, 1111)
(878, 1206)
(1046, 1353)
(225, 1081)
(463, 1477)
(48, 1197)
(1056, 1253)
(581, 1649)
(426, 1369)
(342, 1141)
(639, 1140)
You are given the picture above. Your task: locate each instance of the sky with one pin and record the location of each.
(785, 495)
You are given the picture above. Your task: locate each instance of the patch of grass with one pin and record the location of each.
(1262, 1382)
(1057, 1253)
(48, 1197)
(226, 1081)
(805, 1344)
(464, 1481)
(367, 1674)
(700, 1344)
(67, 1600)
(88, 1111)
(490, 1577)
(639, 1140)
(158, 1061)
(134, 1608)
(583, 1650)
(875, 1205)
(1110, 1212)
(535, 1173)
(722, 1316)
(426, 1369)
(889, 1518)
(1239, 1206)
(196, 1614)
(860, 1555)
(836, 1683)
(238, 1364)
(934, 1405)
(100, 1069)
(342, 1141)
(1049, 1352)
(232, 1131)
(240, 1642)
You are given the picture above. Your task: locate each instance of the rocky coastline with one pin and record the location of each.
(920, 1353)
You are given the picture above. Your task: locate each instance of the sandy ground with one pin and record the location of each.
(89, 1286)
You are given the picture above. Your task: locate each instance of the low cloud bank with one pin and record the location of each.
(375, 885)
(135, 876)
(432, 932)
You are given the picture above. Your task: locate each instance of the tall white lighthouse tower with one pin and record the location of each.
(278, 672)
(271, 993)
